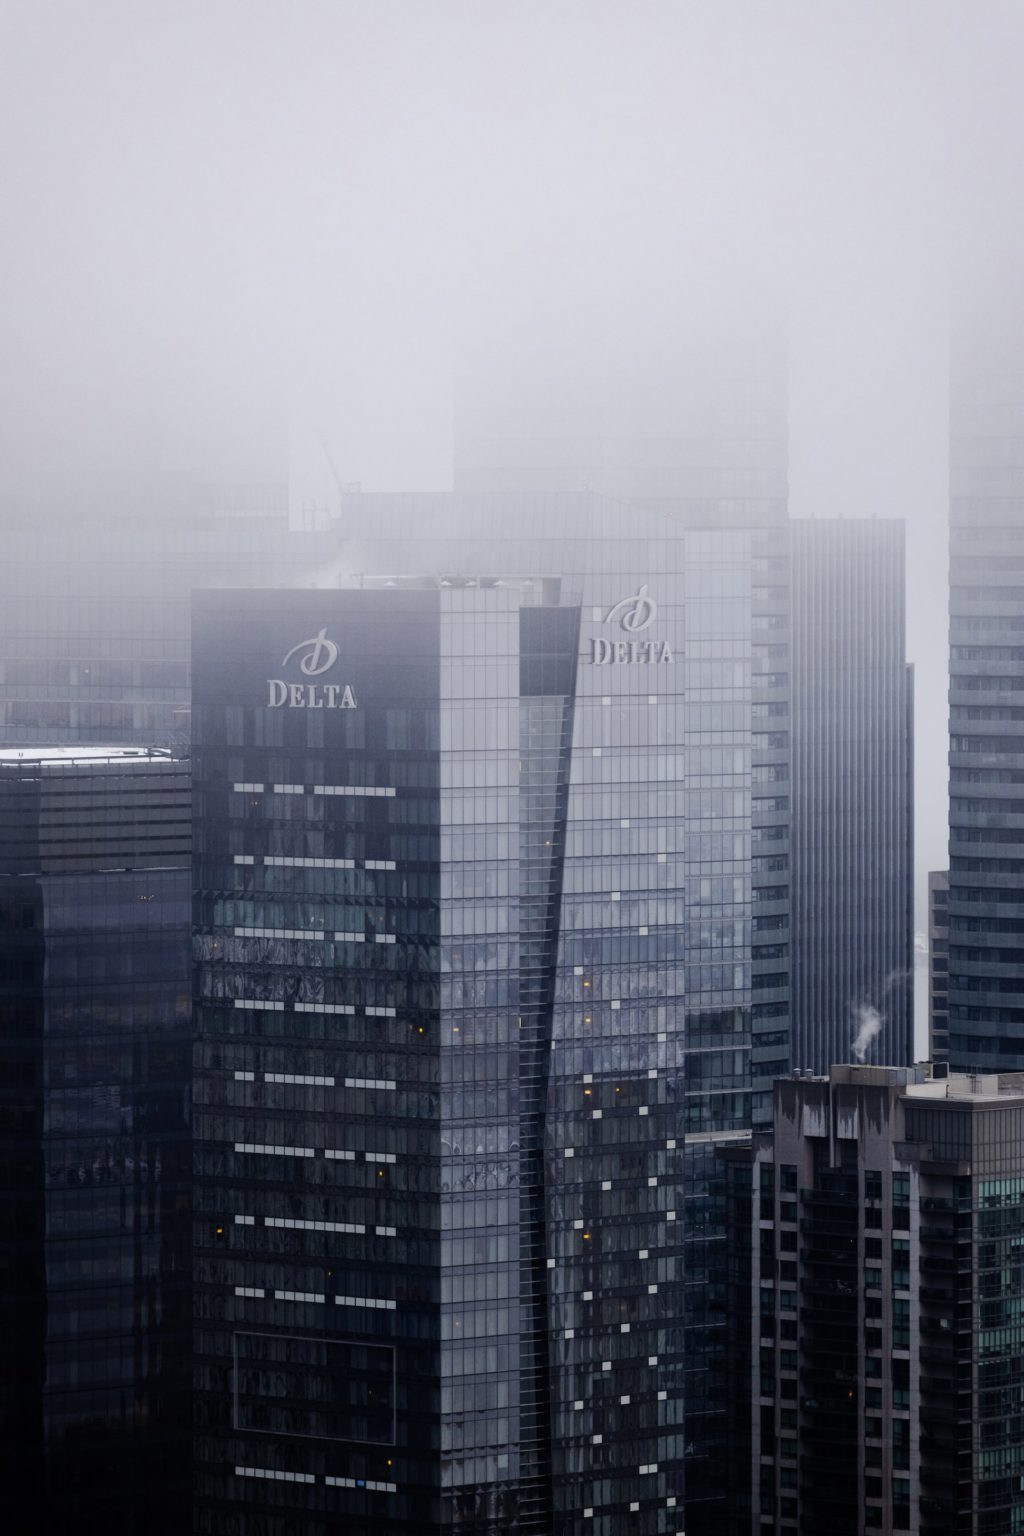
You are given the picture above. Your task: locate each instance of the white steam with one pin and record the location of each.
(869, 1022)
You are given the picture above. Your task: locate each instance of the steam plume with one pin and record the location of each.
(869, 1022)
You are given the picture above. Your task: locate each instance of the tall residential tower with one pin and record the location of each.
(874, 1305)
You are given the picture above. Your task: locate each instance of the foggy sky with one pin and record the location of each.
(222, 216)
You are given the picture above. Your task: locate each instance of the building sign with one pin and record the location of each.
(314, 658)
(634, 614)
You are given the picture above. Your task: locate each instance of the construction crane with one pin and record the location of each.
(343, 486)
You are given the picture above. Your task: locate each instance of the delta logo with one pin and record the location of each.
(314, 658)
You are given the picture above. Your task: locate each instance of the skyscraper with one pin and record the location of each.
(726, 750)
(873, 1306)
(986, 749)
(725, 563)
(852, 927)
(686, 428)
(95, 1044)
(440, 1115)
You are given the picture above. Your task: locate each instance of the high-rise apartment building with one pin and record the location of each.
(95, 1165)
(852, 914)
(938, 964)
(441, 1107)
(986, 745)
(874, 1306)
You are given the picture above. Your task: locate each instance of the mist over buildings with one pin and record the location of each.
(236, 233)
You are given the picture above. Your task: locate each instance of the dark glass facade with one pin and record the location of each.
(986, 724)
(852, 786)
(439, 1086)
(95, 1279)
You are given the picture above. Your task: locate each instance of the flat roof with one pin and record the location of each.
(48, 754)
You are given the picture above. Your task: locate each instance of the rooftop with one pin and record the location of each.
(925, 1080)
(44, 755)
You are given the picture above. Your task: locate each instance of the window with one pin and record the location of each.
(901, 1323)
(901, 1263)
(901, 1199)
(901, 1503)
(901, 1444)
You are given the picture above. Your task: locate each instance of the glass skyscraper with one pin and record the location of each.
(720, 546)
(852, 786)
(688, 424)
(95, 1168)
(986, 743)
(671, 776)
(578, 663)
(438, 1123)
